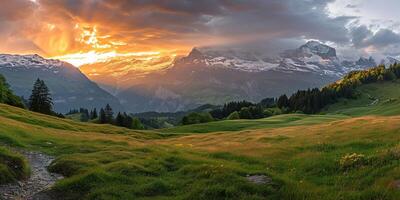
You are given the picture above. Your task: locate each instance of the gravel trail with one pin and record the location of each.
(35, 186)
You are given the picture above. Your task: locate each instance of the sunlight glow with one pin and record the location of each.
(79, 59)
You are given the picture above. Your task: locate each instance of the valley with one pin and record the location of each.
(199, 100)
(304, 156)
(217, 76)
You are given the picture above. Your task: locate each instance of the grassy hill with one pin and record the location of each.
(372, 99)
(244, 124)
(307, 157)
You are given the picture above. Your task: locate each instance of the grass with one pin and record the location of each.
(13, 166)
(243, 124)
(372, 99)
(306, 157)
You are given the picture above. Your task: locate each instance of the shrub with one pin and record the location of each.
(196, 118)
(233, 116)
(268, 113)
(245, 113)
(350, 161)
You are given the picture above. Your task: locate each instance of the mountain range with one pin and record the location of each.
(69, 87)
(210, 76)
(170, 83)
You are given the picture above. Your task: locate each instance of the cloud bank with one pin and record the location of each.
(59, 27)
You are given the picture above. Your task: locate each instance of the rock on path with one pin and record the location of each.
(259, 179)
(39, 181)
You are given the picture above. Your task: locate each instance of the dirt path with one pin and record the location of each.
(39, 181)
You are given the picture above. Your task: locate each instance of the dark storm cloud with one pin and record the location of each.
(383, 38)
(364, 37)
(234, 19)
(148, 23)
(359, 35)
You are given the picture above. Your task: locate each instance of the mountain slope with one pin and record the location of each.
(381, 98)
(215, 76)
(68, 86)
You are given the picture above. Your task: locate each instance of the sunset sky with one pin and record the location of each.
(87, 31)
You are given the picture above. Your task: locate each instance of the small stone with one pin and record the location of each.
(259, 179)
(396, 184)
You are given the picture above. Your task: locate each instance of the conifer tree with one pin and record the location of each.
(40, 100)
(119, 120)
(102, 117)
(136, 124)
(109, 113)
(84, 117)
(283, 101)
(128, 121)
(93, 114)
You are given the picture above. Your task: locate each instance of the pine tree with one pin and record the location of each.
(84, 117)
(102, 117)
(127, 121)
(283, 101)
(93, 114)
(136, 124)
(109, 113)
(119, 120)
(40, 100)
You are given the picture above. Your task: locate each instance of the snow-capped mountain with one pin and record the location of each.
(69, 87)
(313, 57)
(216, 76)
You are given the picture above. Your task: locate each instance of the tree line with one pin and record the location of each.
(313, 100)
(233, 110)
(106, 116)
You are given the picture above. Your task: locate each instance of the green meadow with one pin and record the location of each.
(351, 151)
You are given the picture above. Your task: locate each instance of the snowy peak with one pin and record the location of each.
(312, 57)
(367, 62)
(389, 61)
(310, 49)
(29, 61)
(322, 50)
(195, 54)
(68, 86)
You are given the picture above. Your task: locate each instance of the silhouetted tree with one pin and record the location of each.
(119, 120)
(40, 100)
(102, 116)
(93, 114)
(283, 102)
(109, 114)
(128, 121)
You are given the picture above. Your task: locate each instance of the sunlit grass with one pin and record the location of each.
(302, 154)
